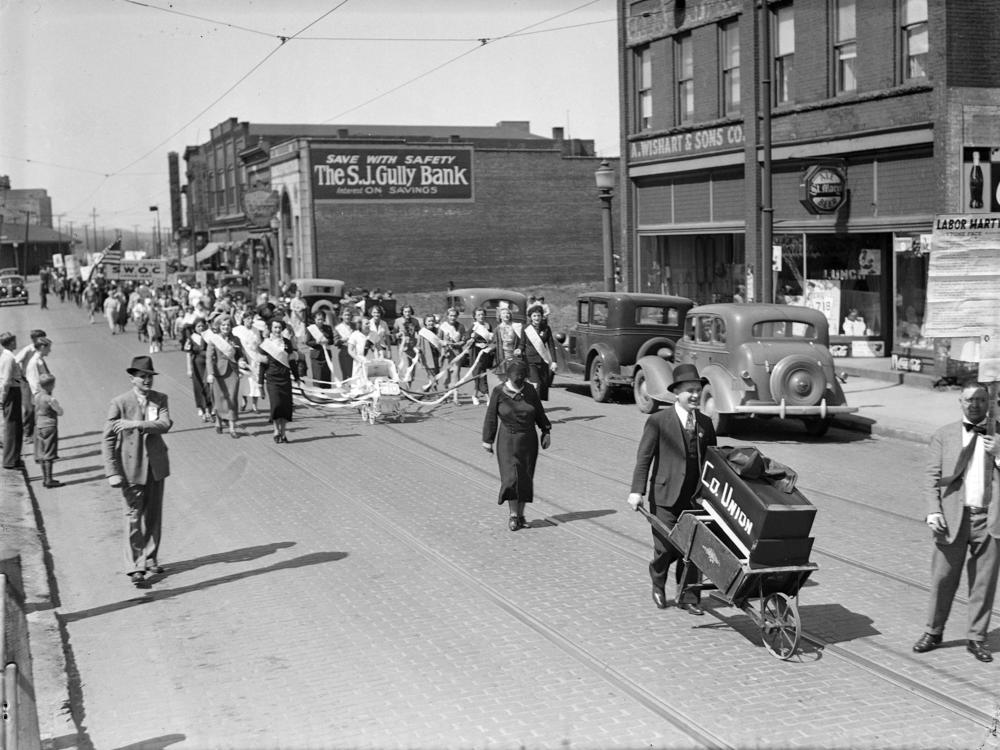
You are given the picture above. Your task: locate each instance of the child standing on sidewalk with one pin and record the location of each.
(47, 413)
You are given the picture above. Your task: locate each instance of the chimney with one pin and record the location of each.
(557, 134)
(341, 132)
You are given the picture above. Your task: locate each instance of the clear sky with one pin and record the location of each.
(94, 93)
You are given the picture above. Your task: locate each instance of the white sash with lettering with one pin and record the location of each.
(344, 331)
(276, 351)
(431, 338)
(482, 331)
(222, 346)
(317, 334)
(450, 334)
(536, 341)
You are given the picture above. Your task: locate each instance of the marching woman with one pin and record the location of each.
(539, 351)
(318, 336)
(249, 337)
(197, 348)
(480, 353)
(377, 331)
(429, 348)
(224, 355)
(341, 333)
(512, 415)
(507, 341)
(406, 328)
(278, 366)
(453, 355)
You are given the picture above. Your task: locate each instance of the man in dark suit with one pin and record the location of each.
(135, 459)
(963, 516)
(668, 462)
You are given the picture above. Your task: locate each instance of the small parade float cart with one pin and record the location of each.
(750, 541)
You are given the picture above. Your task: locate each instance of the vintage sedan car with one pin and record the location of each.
(321, 294)
(13, 290)
(489, 298)
(760, 361)
(613, 332)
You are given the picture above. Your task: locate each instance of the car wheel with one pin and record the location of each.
(817, 427)
(646, 403)
(600, 389)
(723, 423)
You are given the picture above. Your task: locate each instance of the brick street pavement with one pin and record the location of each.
(358, 588)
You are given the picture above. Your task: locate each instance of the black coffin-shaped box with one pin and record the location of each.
(769, 525)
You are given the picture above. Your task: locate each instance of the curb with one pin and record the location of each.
(871, 427)
(49, 672)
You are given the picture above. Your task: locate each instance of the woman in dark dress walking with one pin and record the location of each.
(278, 367)
(513, 414)
(197, 349)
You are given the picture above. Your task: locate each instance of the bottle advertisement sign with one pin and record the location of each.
(963, 276)
(391, 174)
(981, 179)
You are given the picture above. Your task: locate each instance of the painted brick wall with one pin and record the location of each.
(536, 220)
(973, 46)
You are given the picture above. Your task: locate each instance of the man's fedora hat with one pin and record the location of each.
(142, 365)
(686, 374)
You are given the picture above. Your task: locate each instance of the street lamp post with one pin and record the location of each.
(605, 179)
(159, 248)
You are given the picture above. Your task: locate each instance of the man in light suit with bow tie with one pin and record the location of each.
(135, 459)
(668, 462)
(962, 512)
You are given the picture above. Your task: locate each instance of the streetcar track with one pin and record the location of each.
(569, 646)
(887, 674)
(601, 668)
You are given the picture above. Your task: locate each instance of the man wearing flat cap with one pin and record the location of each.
(668, 462)
(135, 459)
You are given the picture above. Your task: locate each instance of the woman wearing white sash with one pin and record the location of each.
(453, 336)
(249, 337)
(539, 351)
(406, 328)
(429, 351)
(279, 366)
(341, 333)
(224, 355)
(507, 340)
(480, 354)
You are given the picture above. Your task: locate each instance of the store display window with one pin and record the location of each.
(912, 255)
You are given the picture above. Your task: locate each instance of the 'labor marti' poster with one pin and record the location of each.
(963, 284)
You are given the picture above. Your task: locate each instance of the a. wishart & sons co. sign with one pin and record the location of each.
(377, 173)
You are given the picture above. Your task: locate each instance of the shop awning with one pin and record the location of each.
(211, 249)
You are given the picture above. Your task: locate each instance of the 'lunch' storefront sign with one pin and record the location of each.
(391, 173)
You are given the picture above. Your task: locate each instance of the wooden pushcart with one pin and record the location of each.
(768, 595)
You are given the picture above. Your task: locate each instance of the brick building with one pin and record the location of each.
(878, 109)
(407, 208)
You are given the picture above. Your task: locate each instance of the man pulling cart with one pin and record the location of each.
(750, 536)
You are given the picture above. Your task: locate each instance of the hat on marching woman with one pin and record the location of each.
(142, 365)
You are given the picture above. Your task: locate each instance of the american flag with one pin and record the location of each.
(111, 254)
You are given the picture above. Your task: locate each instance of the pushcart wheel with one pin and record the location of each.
(780, 625)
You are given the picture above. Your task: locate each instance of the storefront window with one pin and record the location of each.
(704, 268)
(911, 293)
(842, 276)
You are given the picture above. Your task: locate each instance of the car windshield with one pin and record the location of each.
(783, 329)
(11, 280)
(492, 304)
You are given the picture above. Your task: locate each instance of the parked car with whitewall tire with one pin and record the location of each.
(612, 332)
(760, 361)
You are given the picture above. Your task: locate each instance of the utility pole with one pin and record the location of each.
(27, 223)
(135, 237)
(72, 243)
(94, 214)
